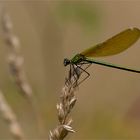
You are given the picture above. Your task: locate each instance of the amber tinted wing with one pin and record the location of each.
(114, 45)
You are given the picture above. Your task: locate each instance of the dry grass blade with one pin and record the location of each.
(15, 58)
(10, 118)
(64, 108)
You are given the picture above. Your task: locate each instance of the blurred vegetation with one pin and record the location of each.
(84, 13)
(103, 102)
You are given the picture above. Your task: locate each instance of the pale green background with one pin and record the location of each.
(108, 102)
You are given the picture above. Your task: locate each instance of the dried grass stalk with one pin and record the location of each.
(10, 118)
(15, 59)
(64, 108)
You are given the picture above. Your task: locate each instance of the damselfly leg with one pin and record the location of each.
(83, 70)
(76, 71)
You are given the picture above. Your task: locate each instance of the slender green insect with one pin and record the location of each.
(112, 46)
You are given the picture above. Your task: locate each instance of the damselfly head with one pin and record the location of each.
(66, 62)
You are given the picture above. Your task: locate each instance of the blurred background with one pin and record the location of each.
(108, 105)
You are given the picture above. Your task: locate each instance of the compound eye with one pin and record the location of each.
(66, 62)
